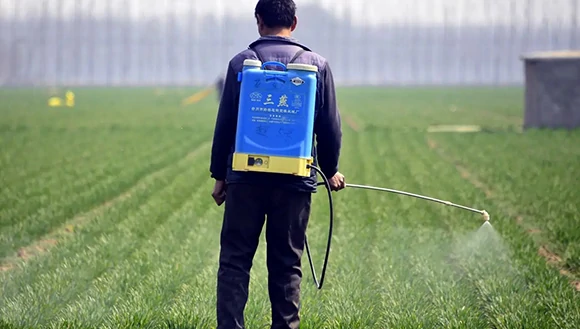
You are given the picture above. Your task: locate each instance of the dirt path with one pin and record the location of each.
(351, 123)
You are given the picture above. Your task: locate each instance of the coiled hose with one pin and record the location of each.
(326, 183)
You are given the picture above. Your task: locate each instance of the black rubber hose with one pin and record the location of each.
(324, 265)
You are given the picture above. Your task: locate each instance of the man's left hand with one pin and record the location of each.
(337, 182)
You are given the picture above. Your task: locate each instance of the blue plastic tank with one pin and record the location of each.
(276, 115)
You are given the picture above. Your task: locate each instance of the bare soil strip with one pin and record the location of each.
(351, 123)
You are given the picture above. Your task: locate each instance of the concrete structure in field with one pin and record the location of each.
(552, 96)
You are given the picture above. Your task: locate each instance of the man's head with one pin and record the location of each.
(276, 17)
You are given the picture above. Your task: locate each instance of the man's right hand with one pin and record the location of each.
(219, 192)
(337, 182)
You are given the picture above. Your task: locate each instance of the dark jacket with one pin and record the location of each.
(327, 122)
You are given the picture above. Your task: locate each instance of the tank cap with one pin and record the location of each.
(302, 67)
(252, 62)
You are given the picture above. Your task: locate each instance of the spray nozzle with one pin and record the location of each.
(485, 216)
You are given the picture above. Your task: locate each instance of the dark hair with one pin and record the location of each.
(276, 13)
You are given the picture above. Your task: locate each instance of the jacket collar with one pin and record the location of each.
(289, 40)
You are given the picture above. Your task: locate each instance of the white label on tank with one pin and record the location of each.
(269, 100)
(255, 96)
(283, 101)
(297, 102)
(297, 81)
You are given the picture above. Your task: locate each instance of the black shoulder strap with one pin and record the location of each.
(257, 54)
(298, 53)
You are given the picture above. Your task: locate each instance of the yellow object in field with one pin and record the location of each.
(54, 102)
(70, 99)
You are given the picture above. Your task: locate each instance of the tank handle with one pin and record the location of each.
(274, 64)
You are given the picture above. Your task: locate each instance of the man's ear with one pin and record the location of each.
(293, 27)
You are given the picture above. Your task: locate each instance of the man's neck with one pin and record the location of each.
(277, 33)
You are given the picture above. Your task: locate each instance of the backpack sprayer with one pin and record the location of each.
(275, 130)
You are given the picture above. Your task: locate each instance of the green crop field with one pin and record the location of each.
(106, 218)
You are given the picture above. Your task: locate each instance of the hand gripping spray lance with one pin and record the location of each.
(275, 131)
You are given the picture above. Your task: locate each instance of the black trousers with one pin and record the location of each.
(246, 209)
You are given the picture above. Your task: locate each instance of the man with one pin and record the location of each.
(219, 86)
(250, 197)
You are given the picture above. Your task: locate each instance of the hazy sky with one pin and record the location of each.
(374, 11)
